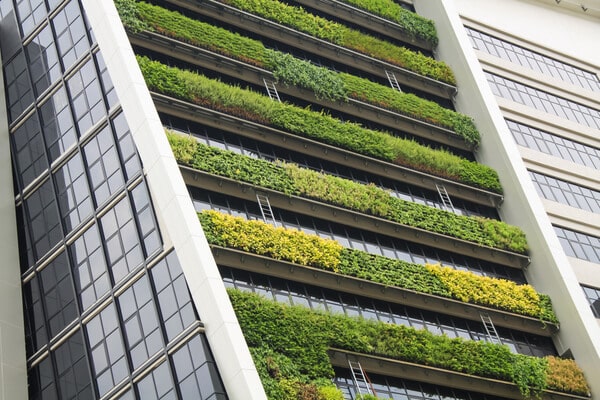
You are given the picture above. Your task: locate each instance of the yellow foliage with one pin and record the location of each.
(279, 243)
(497, 293)
(565, 375)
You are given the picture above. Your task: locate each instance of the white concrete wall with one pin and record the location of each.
(177, 218)
(13, 367)
(548, 24)
(549, 271)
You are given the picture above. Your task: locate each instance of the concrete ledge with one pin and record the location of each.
(315, 276)
(438, 376)
(322, 48)
(204, 180)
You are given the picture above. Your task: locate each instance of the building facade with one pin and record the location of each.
(112, 290)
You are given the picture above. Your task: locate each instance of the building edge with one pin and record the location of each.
(176, 216)
(13, 360)
(549, 271)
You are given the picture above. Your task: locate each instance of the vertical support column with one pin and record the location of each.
(13, 365)
(177, 218)
(549, 271)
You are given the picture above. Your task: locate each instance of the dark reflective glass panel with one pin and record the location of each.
(29, 151)
(90, 272)
(57, 124)
(44, 218)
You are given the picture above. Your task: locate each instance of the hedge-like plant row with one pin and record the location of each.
(412, 23)
(255, 107)
(311, 250)
(368, 199)
(303, 21)
(292, 71)
(300, 337)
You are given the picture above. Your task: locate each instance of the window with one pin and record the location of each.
(71, 34)
(543, 101)
(566, 193)
(73, 193)
(593, 296)
(107, 350)
(533, 60)
(554, 145)
(29, 151)
(44, 218)
(121, 239)
(579, 245)
(141, 327)
(90, 272)
(57, 124)
(173, 297)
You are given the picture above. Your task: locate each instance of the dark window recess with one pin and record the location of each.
(351, 237)
(317, 298)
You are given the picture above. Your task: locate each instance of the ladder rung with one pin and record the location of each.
(265, 208)
(393, 81)
(271, 90)
(445, 197)
(490, 328)
(359, 377)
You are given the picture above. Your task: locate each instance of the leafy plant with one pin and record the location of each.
(303, 337)
(292, 71)
(316, 125)
(411, 22)
(368, 199)
(260, 238)
(298, 18)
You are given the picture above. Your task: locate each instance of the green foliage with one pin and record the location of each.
(201, 34)
(411, 22)
(303, 336)
(369, 199)
(298, 18)
(184, 148)
(323, 82)
(411, 105)
(292, 71)
(315, 125)
(236, 232)
(130, 15)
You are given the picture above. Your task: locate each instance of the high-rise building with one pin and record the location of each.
(337, 153)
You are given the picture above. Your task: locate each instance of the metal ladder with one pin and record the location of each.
(363, 386)
(265, 208)
(446, 201)
(393, 81)
(271, 90)
(490, 329)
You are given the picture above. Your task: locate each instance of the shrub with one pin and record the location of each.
(298, 18)
(369, 199)
(303, 336)
(236, 232)
(316, 125)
